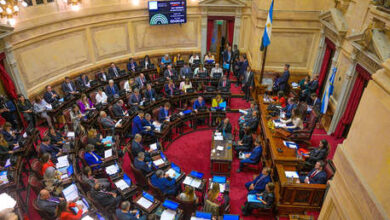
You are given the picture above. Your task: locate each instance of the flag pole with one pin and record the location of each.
(263, 65)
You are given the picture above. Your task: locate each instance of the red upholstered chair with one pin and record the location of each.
(44, 215)
(304, 135)
(35, 184)
(68, 120)
(140, 179)
(329, 169)
(156, 191)
(188, 208)
(36, 167)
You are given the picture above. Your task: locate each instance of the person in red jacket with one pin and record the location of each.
(46, 163)
(65, 213)
(280, 99)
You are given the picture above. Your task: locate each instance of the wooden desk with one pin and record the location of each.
(297, 197)
(152, 208)
(221, 161)
(179, 213)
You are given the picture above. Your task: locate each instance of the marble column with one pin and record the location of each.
(12, 68)
(320, 54)
(203, 30)
(237, 27)
(344, 95)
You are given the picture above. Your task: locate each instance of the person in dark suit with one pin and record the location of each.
(316, 176)
(88, 178)
(170, 88)
(146, 63)
(291, 104)
(250, 123)
(106, 121)
(117, 109)
(186, 71)
(112, 90)
(91, 158)
(164, 183)
(135, 99)
(139, 163)
(50, 95)
(283, 81)
(113, 71)
(46, 147)
(104, 198)
(317, 154)
(83, 82)
(169, 72)
(136, 127)
(199, 103)
(259, 183)
(225, 127)
(48, 203)
(267, 199)
(245, 143)
(252, 157)
(224, 83)
(103, 76)
(150, 93)
(248, 83)
(147, 125)
(227, 60)
(164, 113)
(141, 81)
(68, 87)
(315, 102)
(243, 65)
(131, 65)
(124, 213)
(136, 147)
(27, 109)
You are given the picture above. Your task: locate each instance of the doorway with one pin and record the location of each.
(220, 30)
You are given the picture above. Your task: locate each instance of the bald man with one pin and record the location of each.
(47, 202)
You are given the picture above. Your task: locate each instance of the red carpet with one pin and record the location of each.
(238, 103)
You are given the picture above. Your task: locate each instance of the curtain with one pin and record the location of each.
(330, 47)
(353, 102)
(210, 30)
(230, 27)
(8, 84)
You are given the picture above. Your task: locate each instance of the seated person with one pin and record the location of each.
(192, 59)
(68, 87)
(165, 60)
(164, 183)
(76, 116)
(130, 85)
(177, 58)
(209, 58)
(91, 158)
(294, 123)
(291, 104)
(112, 90)
(216, 101)
(106, 121)
(316, 176)
(131, 65)
(224, 83)
(113, 71)
(136, 127)
(56, 138)
(258, 184)
(317, 154)
(105, 198)
(85, 104)
(141, 81)
(50, 95)
(101, 97)
(170, 73)
(140, 164)
(46, 163)
(48, 203)
(164, 114)
(9, 135)
(217, 69)
(83, 82)
(225, 127)
(267, 199)
(215, 196)
(251, 123)
(199, 103)
(252, 157)
(150, 93)
(41, 108)
(188, 195)
(279, 99)
(253, 107)
(200, 71)
(95, 139)
(88, 178)
(186, 72)
(65, 213)
(5, 150)
(147, 125)
(102, 76)
(135, 99)
(315, 102)
(124, 213)
(46, 147)
(186, 84)
(170, 88)
(146, 63)
(51, 176)
(245, 143)
(304, 83)
(117, 109)
(27, 110)
(137, 147)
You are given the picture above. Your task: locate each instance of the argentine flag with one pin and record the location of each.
(328, 91)
(266, 40)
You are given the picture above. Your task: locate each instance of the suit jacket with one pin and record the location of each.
(288, 109)
(163, 184)
(228, 128)
(169, 91)
(133, 100)
(143, 166)
(226, 58)
(52, 150)
(125, 216)
(131, 66)
(313, 85)
(81, 83)
(186, 72)
(103, 198)
(110, 92)
(220, 84)
(249, 82)
(101, 76)
(166, 73)
(112, 74)
(147, 123)
(317, 154)
(259, 183)
(66, 89)
(136, 127)
(283, 81)
(48, 96)
(198, 105)
(141, 83)
(117, 110)
(243, 66)
(319, 178)
(142, 63)
(256, 154)
(162, 115)
(252, 123)
(107, 122)
(49, 205)
(91, 160)
(247, 141)
(136, 148)
(150, 94)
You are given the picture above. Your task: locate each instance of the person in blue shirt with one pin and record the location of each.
(258, 184)
(131, 65)
(164, 183)
(139, 163)
(165, 60)
(91, 158)
(199, 103)
(136, 127)
(163, 114)
(147, 125)
(253, 157)
(124, 212)
(112, 89)
(291, 104)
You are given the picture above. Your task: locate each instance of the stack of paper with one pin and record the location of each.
(7, 202)
(218, 138)
(153, 146)
(220, 148)
(144, 203)
(168, 214)
(112, 169)
(62, 162)
(194, 182)
(108, 153)
(49, 107)
(290, 144)
(70, 134)
(277, 124)
(173, 174)
(294, 85)
(121, 184)
(291, 174)
(158, 162)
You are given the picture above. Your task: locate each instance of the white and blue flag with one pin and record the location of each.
(328, 91)
(266, 40)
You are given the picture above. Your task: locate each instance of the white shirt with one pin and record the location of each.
(191, 61)
(126, 86)
(101, 98)
(216, 70)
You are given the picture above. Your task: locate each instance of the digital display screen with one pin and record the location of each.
(167, 12)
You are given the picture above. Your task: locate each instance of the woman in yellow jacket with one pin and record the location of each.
(216, 101)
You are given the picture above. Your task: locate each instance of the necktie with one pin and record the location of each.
(260, 179)
(313, 174)
(142, 83)
(70, 87)
(116, 72)
(170, 73)
(224, 83)
(96, 158)
(150, 92)
(113, 90)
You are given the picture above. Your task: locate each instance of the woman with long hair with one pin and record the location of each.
(294, 123)
(214, 195)
(188, 194)
(85, 104)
